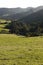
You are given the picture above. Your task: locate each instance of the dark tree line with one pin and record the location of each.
(26, 29)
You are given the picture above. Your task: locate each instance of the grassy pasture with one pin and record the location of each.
(19, 50)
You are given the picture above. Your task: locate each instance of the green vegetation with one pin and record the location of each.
(26, 29)
(21, 28)
(19, 50)
(3, 24)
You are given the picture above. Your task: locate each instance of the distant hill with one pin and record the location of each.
(34, 17)
(10, 13)
(21, 13)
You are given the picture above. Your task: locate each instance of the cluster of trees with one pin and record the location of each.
(26, 29)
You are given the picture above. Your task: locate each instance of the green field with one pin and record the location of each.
(19, 50)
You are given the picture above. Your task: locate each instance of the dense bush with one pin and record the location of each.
(32, 29)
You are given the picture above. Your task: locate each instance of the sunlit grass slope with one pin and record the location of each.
(18, 50)
(3, 24)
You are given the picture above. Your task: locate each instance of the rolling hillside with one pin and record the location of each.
(18, 13)
(13, 13)
(34, 17)
(3, 24)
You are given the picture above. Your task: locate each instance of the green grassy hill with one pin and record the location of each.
(3, 23)
(19, 50)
